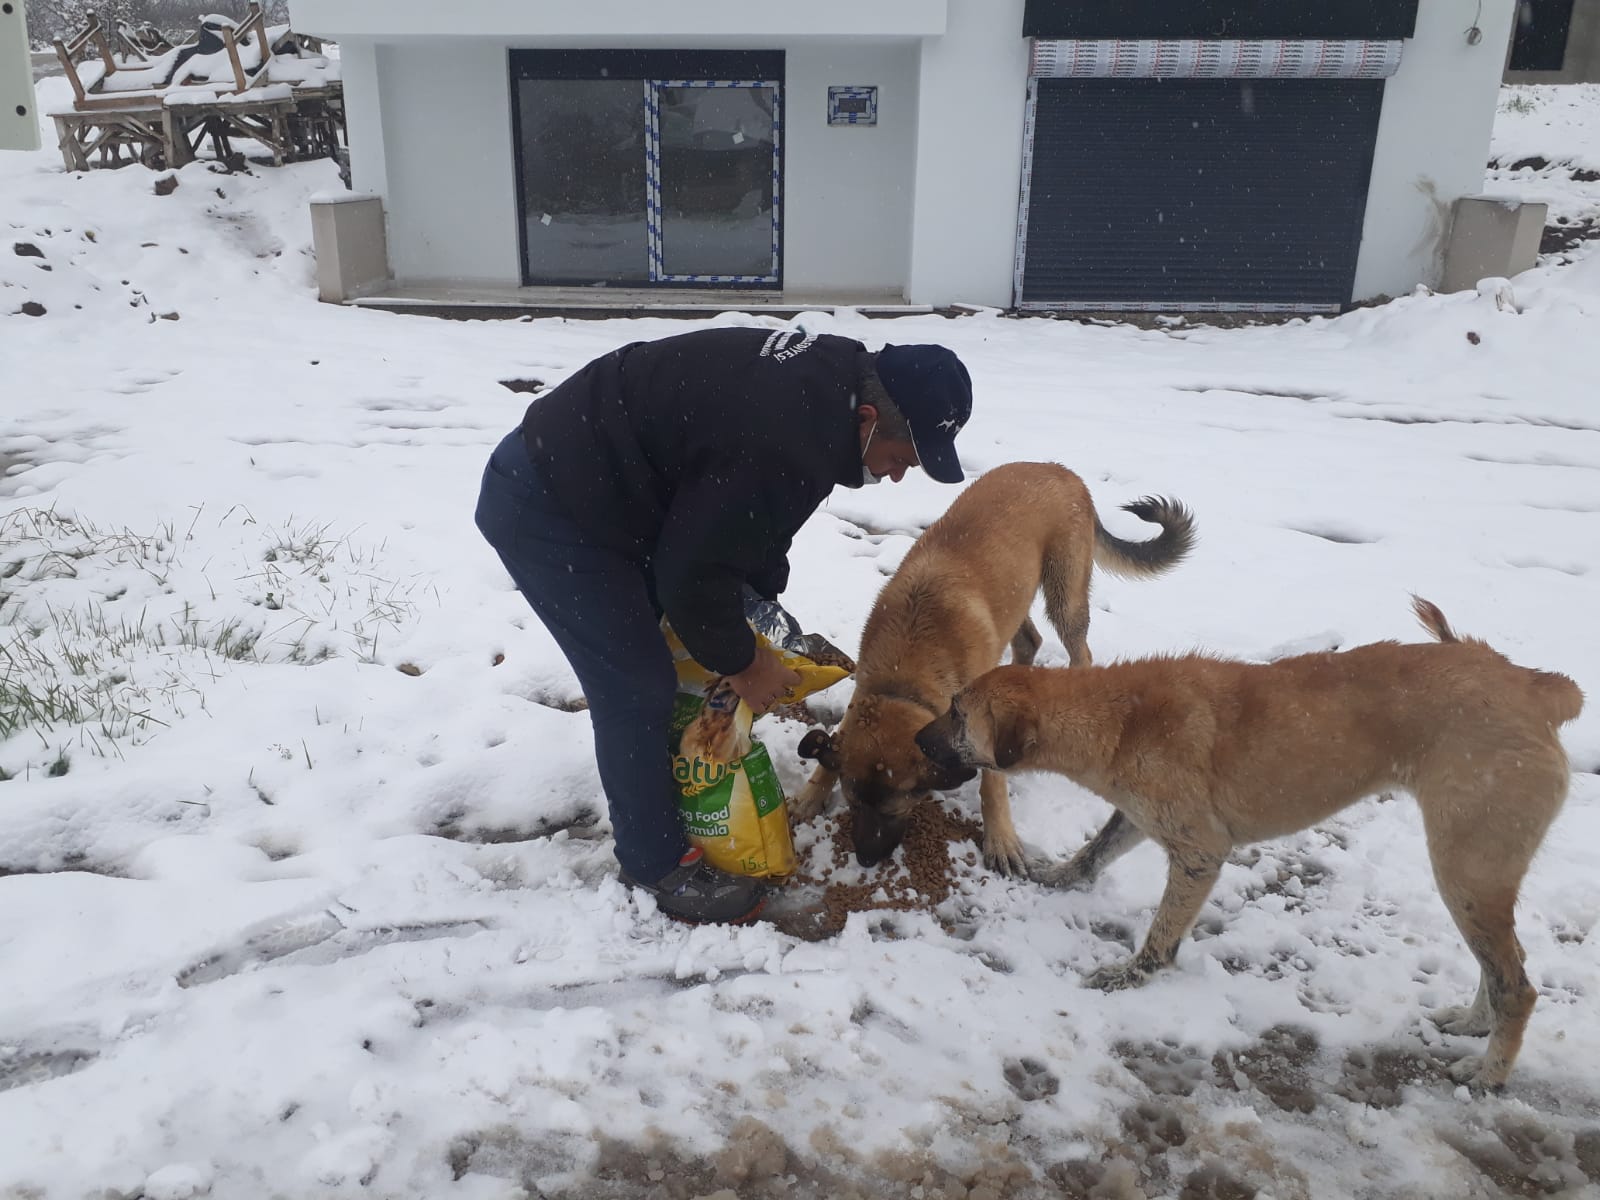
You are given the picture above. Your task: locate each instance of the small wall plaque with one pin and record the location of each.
(853, 105)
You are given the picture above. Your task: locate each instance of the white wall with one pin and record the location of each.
(1433, 143)
(847, 190)
(923, 205)
(452, 195)
(447, 171)
(969, 159)
(363, 116)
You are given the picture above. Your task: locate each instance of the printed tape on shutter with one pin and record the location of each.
(1196, 59)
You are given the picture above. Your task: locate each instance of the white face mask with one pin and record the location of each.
(867, 477)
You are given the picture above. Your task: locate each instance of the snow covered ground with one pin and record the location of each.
(304, 894)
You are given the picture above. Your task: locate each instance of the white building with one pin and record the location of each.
(1064, 153)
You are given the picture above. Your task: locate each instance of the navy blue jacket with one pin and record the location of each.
(701, 456)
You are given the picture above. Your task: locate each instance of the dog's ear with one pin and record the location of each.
(820, 746)
(1015, 734)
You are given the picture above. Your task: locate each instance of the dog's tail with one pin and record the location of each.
(1561, 698)
(1141, 560)
(1433, 620)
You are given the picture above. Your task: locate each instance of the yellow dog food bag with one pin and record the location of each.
(732, 803)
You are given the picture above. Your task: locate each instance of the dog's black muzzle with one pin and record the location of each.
(939, 740)
(876, 836)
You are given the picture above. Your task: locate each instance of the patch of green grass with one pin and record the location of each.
(71, 657)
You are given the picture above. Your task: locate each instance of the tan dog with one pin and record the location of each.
(1202, 754)
(959, 598)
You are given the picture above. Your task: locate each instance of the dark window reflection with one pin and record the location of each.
(717, 180)
(583, 162)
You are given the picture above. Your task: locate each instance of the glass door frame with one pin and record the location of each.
(653, 69)
(652, 103)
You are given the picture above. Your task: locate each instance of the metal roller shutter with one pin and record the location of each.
(1196, 193)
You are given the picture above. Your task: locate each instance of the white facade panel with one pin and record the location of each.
(448, 174)
(847, 189)
(1433, 142)
(923, 204)
(452, 195)
(974, 90)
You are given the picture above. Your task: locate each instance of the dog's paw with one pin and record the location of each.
(807, 803)
(1473, 1072)
(1118, 976)
(1005, 856)
(1462, 1020)
(1066, 876)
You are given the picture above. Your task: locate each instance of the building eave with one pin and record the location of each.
(636, 20)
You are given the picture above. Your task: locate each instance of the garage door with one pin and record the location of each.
(1150, 186)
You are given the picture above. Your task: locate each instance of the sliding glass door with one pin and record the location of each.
(627, 179)
(584, 205)
(714, 146)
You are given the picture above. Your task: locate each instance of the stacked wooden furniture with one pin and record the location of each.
(152, 102)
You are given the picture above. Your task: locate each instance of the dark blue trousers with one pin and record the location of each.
(599, 606)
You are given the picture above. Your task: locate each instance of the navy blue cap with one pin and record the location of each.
(931, 387)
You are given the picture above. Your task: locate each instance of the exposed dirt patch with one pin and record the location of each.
(1155, 1127)
(1562, 235)
(25, 1067)
(1519, 1152)
(524, 386)
(1030, 1079)
(753, 1164)
(1576, 174)
(569, 704)
(1275, 1065)
(1118, 1178)
(11, 464)
(1165, 1069)
(1586, 1150)
(1523, 1157)
(1379, 1076)
(578, 823)
(1156, 1156)
(74, 860)
(1215, 1182)
(1114, 1179)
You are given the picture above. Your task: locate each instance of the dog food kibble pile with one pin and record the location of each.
(926, 882)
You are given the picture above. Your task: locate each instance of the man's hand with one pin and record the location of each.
(763, 683)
